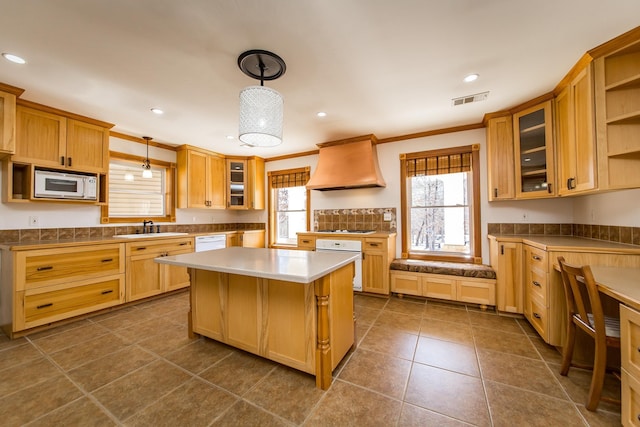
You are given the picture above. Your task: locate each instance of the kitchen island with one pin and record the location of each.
(292, 307)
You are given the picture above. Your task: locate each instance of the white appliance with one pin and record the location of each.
(63, 185)
(209, 243)
(339, 245)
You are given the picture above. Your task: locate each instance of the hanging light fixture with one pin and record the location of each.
(146, 166)
(261, 108)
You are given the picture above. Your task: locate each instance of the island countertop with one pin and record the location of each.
(278, 264)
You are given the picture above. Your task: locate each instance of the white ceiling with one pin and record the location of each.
(387, 67)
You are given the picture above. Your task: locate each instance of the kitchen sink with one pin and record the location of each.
(147, 235)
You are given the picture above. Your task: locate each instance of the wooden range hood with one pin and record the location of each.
(348, 163)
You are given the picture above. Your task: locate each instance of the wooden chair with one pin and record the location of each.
(584, 310)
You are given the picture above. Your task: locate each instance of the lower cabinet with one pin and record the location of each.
(630, 358)
(452, 288)
(506, 260)
(147, 278)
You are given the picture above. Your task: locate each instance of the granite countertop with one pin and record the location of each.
(383, 234)
(568, 243)
(278, 264)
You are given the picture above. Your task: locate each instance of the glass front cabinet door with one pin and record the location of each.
(533, 140)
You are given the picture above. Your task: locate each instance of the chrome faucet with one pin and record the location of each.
(144, 226)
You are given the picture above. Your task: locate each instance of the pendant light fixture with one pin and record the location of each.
(146, 166)
(261, 108)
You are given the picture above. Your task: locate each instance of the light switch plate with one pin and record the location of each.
(387, 216)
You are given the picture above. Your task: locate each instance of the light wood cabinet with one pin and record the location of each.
(245, 183)
(7, 123)
(575, 142)
(201, 179)
(617, 91)
(375, 265)
(630, 358)
(507, 262)
(250, 239)
(147, 278)
(47, 139)
(500, 158)
(538, 305)
(533, 151)
(307, 243)
(41, 286)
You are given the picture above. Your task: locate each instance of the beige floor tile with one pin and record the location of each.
(7, 343)
(379, 372)
(402, 322)
(239, 372)
(459, 332)
(527, 328)
(84, 352)
(102, 371)
(361, 332)
(17, 355)
(495, 321)
(348, 405)
(32, 402)
(449, 393)
(243, 414)
(519, 371)
(193, 404)
(600, 418)
(287, 393)
(82, 412)
(577, 384)
(143, 330)
(505, 342)
(446, 313)
(405, 306)
(390, 341)
(549, 353)
(447, 355)
(178, 316)
(366, 315)
(369, 301)
(414, 416)
(132, 393)
(512, 406)
(59, 329)
(199, 355)
(70, 337)
(26, 374)
(168, 340)
(128, 317)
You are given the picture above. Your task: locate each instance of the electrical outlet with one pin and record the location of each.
(34, 221)
(525, 216)
(387, 216)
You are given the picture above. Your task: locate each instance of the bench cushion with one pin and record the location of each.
(478, 271)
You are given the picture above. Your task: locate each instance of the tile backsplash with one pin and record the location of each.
(355, 219)
(610, 233)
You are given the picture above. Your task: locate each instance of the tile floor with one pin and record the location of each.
(417, 364)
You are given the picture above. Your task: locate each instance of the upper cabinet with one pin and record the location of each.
(500, 160)
(245, 183)
(617, 86)
(8, 96)
(201, 179)
(533, 152)
(575, 142)
(45, 138)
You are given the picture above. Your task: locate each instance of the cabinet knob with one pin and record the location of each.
(537, 258)
(536, 284)
(537, 316)
(61, 160)
(549, 188)
(495, 192)
(69, 161)
(571, 183)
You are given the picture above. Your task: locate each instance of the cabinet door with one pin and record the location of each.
(236, 184)
(87, 147)
(373, 272)
(575, 136)
(500, 158)
(7, 123)
(256, 183)
(533, 143)
(144, 278)
(40, 137)
(251, 239)
(197, 191)
(217, 183)
(509, 277)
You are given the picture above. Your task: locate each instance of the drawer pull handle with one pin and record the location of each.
(48, 267)
(537, 258)
(107, 260)
(306, 241)
(537, 284)
(537, 316)
(184, 243)
(374, 244)
(638, 349)
(44, 305)
(108, 291)
(141, 248)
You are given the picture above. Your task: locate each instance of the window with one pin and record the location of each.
(132, 198)
(441, 204)
(288, 205)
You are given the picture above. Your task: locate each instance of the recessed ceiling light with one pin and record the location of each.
(321, 114)
(231, 137)
(157, 111)
(471, 78)
(14, 58)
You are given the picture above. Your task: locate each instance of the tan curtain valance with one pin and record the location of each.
(437, 165)
(289, 178)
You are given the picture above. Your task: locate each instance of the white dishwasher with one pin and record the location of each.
(211, 242)
(339, 245)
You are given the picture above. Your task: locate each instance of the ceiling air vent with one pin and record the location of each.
(469, 99)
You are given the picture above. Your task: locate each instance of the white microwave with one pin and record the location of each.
(62, 185)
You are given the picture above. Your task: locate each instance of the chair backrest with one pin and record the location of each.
(583, 298)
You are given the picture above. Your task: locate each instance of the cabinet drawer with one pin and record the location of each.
(62, 302)
(630, 399)
(630, 340)
(307, 242)
(536, 258)
(475, 291)
(537, 283)
(50, 266)
(373, 245)
(158, 246)
(406, 283)
(537, 315)
(436, 287)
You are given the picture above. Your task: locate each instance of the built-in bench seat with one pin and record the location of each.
(465, 282)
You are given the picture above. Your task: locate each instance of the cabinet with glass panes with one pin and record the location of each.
(533, 140)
